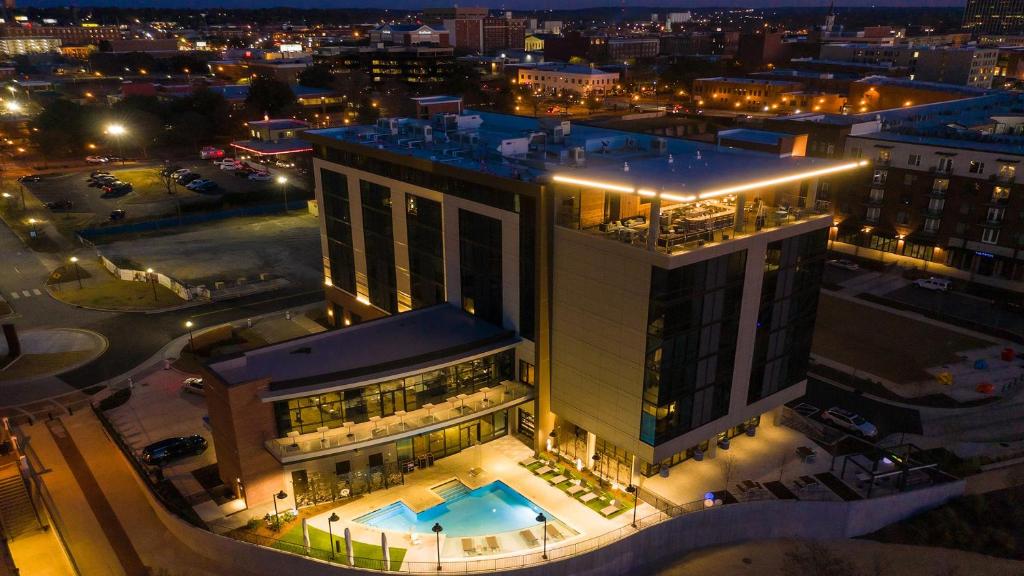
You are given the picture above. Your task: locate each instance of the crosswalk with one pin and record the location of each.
(16, 295)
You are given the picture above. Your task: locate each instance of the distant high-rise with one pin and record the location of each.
(994, 17)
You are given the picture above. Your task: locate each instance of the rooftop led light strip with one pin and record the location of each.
(594, 184)
(782, 180)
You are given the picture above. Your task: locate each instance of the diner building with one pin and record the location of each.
(622, 300)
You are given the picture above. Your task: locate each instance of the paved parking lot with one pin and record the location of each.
(286, 246)
(150, 198)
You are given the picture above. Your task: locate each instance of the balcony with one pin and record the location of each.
(399, 425)
(875, 200)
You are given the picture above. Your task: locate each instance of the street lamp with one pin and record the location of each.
(542, 518)
(78, 276)
(283, 181)
(279, 496)
(437, 535)
(636, 494)
(152, 280)
(331, 520)
(118, 131)
(191, 342)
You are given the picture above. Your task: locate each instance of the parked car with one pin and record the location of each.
(62, 204)
(260, 177)
(102, 181)
(186, 178)
(230, 166)
(933, 283)
(196, 183)
(170, 449)
(30, 178)
(97, 159)
(180, 172)
(194, 385)
(850, 421)
(167, 171)
(118, 214)
(844, 264)
(208, 186)
(284, 163)
(209, 152)
(117, 187)
(225, 161)
(96, 173)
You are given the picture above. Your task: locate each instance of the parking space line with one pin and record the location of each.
(37, 292)
(15, 295)
(26, 293)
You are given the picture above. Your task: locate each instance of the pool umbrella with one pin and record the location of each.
(384, 547)
(305, 534)
(348, 547)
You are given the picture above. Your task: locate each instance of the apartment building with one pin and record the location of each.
(630, 300)
(994, 17)
(944, 189)
(558, 77)
(970, 65)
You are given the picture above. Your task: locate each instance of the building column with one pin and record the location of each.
(738, 220)
(588, 461)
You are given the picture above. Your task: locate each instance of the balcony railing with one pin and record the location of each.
(379, 429)
(938, 192)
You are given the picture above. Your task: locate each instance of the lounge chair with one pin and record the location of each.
(492, 544)
(609, 510)
(553, 533)
(469, 547)
(529, 462)
(588, 497)
(573, 490)
(543, 470)
(557, 480)
(529, 538)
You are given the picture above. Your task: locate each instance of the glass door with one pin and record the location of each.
(469, 435)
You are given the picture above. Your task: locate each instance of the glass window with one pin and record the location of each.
(341, 261)
(480, 265)
(380, 246)
(426, 251)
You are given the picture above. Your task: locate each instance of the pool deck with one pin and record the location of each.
(499, 460)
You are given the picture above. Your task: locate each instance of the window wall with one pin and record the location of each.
(333, 409)
(789, 306)
(337, 216)
(380, 246)
(480, 265)
(426, 251)
(693, 320)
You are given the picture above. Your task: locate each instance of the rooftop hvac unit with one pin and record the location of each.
(446, 122)
(469, 121)
(574, 156)
(387, 126)
(659, 146)
(424, 131)
(558, 134)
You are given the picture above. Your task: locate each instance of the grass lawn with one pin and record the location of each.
(147, 184)
(30, 365)
(597, 504)
(103, 290)
(885, 344)
(366, 555)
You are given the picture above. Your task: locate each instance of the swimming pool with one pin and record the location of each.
(489, 509)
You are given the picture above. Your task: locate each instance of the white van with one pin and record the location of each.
(933, 283)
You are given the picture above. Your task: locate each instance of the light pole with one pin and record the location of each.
(118, 131)
(636, 494)
(542, 518)
(191, 342)
(279, 496)
(74, 262)
(331, 520)
(437, 535)
(283, 181)
(152, 280)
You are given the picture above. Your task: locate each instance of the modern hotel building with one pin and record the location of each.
(624, 300)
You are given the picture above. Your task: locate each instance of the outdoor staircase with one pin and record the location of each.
(451, 491)
(17, 512)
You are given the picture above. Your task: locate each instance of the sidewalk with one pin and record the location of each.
(140, 539)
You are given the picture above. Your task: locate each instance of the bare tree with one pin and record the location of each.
(727, 463)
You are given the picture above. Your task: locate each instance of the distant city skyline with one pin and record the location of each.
(494, 4)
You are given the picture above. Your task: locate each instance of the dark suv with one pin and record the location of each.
(173, 448)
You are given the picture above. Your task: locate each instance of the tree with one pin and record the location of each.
(727, 463)
(269, 96)
(62, 129)
(316, 76)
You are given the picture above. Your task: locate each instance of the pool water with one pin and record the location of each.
(489, 509)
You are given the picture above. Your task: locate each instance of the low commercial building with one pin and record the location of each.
(627, 300)
(21, 46)
(884, 92)
(274, 139)
(962, 65)
(559, 77)
(417, 64)
(761, 94)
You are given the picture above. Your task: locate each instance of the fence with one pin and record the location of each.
(153, 225)
(183, 291)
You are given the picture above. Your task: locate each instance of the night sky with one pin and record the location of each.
(509, 4)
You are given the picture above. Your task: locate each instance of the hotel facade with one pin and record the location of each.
(622, 300)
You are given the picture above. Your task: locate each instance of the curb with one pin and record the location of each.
(103, 349)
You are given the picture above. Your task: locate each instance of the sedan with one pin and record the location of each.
(850, 421)
(118, 214)
(186, 178)
(180, 172)
(230, 166)
(197, 183)
(30, 178)
(62, 204)
(210, 186)
(97, 159)
(260, 177)
(173, 448)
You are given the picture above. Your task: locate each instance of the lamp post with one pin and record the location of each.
(283, 181)
(74, 262)
(191, 342)
(636, 494)
(279, 496)
(117, 131)
(437, 535)
(331, 520)
(151, 276)
(542, 518)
